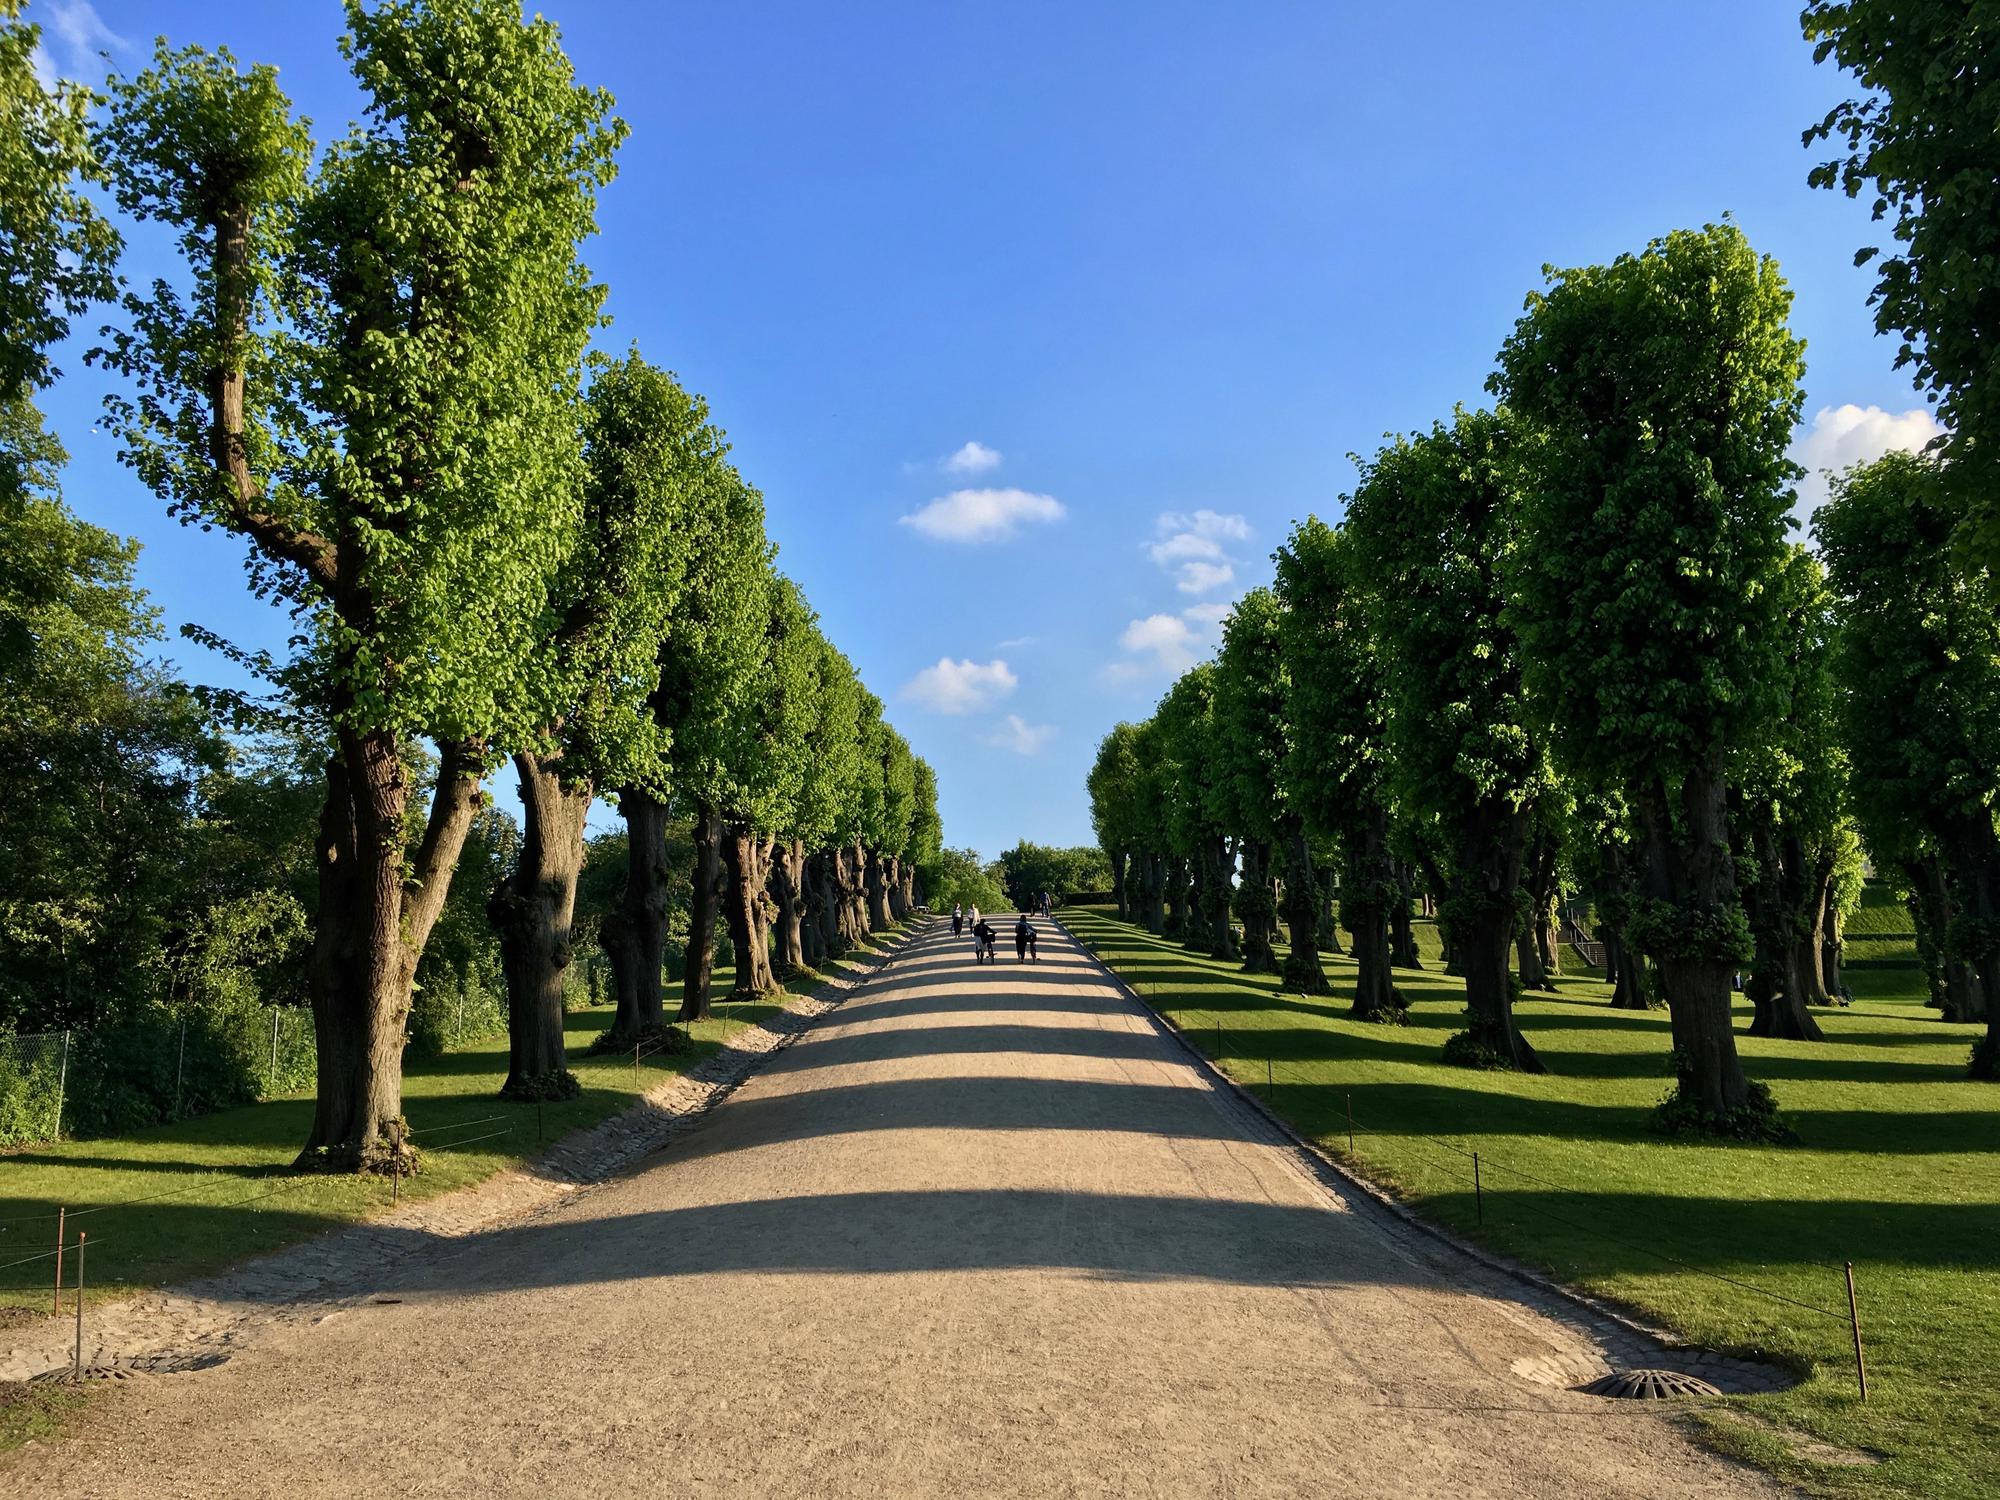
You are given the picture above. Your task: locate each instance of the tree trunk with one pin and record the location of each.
(1364, 909)
(1688, 867)
(703, 905)
(1153, 893)
(892, 886)
(1303, 974)
(787, 889)
(1830, 941)
(1176, 889)
(875, 872)
(1326, 892)
(742, 909)
(1402, 936)
(634, 934)
(373, 921)
(1215, 898)
(1480, 905)
(532, 911)
(908, 870)
(854, 894)
(1975, 931)
(1779, 987)
(1255, 906)
(1118, 859)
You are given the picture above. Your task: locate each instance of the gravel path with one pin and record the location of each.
(983, 1230)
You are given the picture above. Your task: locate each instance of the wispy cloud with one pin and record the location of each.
(974, 458)
(984, 515)
(73, 34)
(960, 687)
(1020, 640)
(1191, 546)
(1842, 436)
(1017, 734)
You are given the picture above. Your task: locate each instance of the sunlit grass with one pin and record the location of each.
(1897, 1168)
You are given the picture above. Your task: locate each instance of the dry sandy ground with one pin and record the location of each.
(983, 1231)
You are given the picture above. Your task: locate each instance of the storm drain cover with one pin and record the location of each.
(1649, 1385)
(144, 1364)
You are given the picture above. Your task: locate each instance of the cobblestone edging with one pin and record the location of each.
(200, 1324)
(1621, 1340)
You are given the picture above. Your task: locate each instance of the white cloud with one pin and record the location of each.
(974, 458)
(1019, 640)
(78, 34)
(1017, 734)
(1841, 436)
(1168, 644)
(984, 515)
(1189, 546)
(959, 687)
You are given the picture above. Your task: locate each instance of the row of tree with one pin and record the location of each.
(1571, 632)
(373, 364)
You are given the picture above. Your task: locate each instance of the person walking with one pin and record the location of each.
(983, 939)
(957, 918)
(1023, 935)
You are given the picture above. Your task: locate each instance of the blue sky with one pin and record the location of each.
(1038, 325)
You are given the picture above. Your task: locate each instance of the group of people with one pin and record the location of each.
(986, 938)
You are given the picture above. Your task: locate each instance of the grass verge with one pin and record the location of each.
(221, 1187)
(1897, 1168)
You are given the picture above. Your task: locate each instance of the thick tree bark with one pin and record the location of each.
(1118, 895)
(854, 894)
(1215, 891)
(1528, 954)
(1480, 905)
(1536, 942)
(907, 871)
(703, 907)
(1961, 996)
(742, 909)
(1364, 908)
(1690, 872)
(1402, 936)
(532, 912)
(1327, 894)
(820, 931)
(1303, 974)
(1255, 905)
(1153, 892)
(1175, 888)
(892, 885)
(370, 931)
(1975, 932)
(875, 872)
(787, 889)
(1778, 987)
(634, 934)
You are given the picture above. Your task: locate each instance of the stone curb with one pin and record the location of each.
(1630, 1340)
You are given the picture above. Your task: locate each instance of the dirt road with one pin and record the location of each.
(982, 1231)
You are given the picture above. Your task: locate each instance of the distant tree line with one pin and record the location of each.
(373, 364)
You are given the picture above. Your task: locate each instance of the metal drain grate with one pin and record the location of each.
(1648, 1385)
(144, 1364)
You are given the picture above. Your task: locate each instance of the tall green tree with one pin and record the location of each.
(369, 371)
(1430, 523)
(1660, 393)
(1917, 659)
(610, 606)
(1336, 766)
(1193, 807)
(1115, 813)
(1924, 141)
(57, 252)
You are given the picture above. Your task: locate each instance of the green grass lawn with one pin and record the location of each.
(1897, 1168)
(224, 1181)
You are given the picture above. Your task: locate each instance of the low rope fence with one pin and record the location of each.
(1475, 1163)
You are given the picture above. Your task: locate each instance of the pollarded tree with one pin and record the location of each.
(652, 453)
(767, 776)
(57, 253)
(1917, 659)
(1158, 885)
(926, 833)
(892, 815)
(1254, 737)
(710, 668)
(1662, 391)
(1925, 141)
(1194, 805)
(804, 933)
(1336, 764)
(610, 607)
(370, 372)
(1429, 524)
(1114, 809)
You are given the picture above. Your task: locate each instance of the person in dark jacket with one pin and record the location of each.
(984, 938)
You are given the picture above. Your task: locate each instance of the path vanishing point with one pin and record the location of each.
(984, 1230)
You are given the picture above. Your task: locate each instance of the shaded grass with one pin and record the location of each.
(1897, 1168)
(221, 1186)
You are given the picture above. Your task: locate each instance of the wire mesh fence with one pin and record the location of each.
(150, 1069)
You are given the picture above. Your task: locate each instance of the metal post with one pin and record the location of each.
(180, 1067)
(61, 1215)
(1854, 1321)
(635, 1064)
(62, 1083)
(1478, 1193)
(1350, 1124)
(76, 1360)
